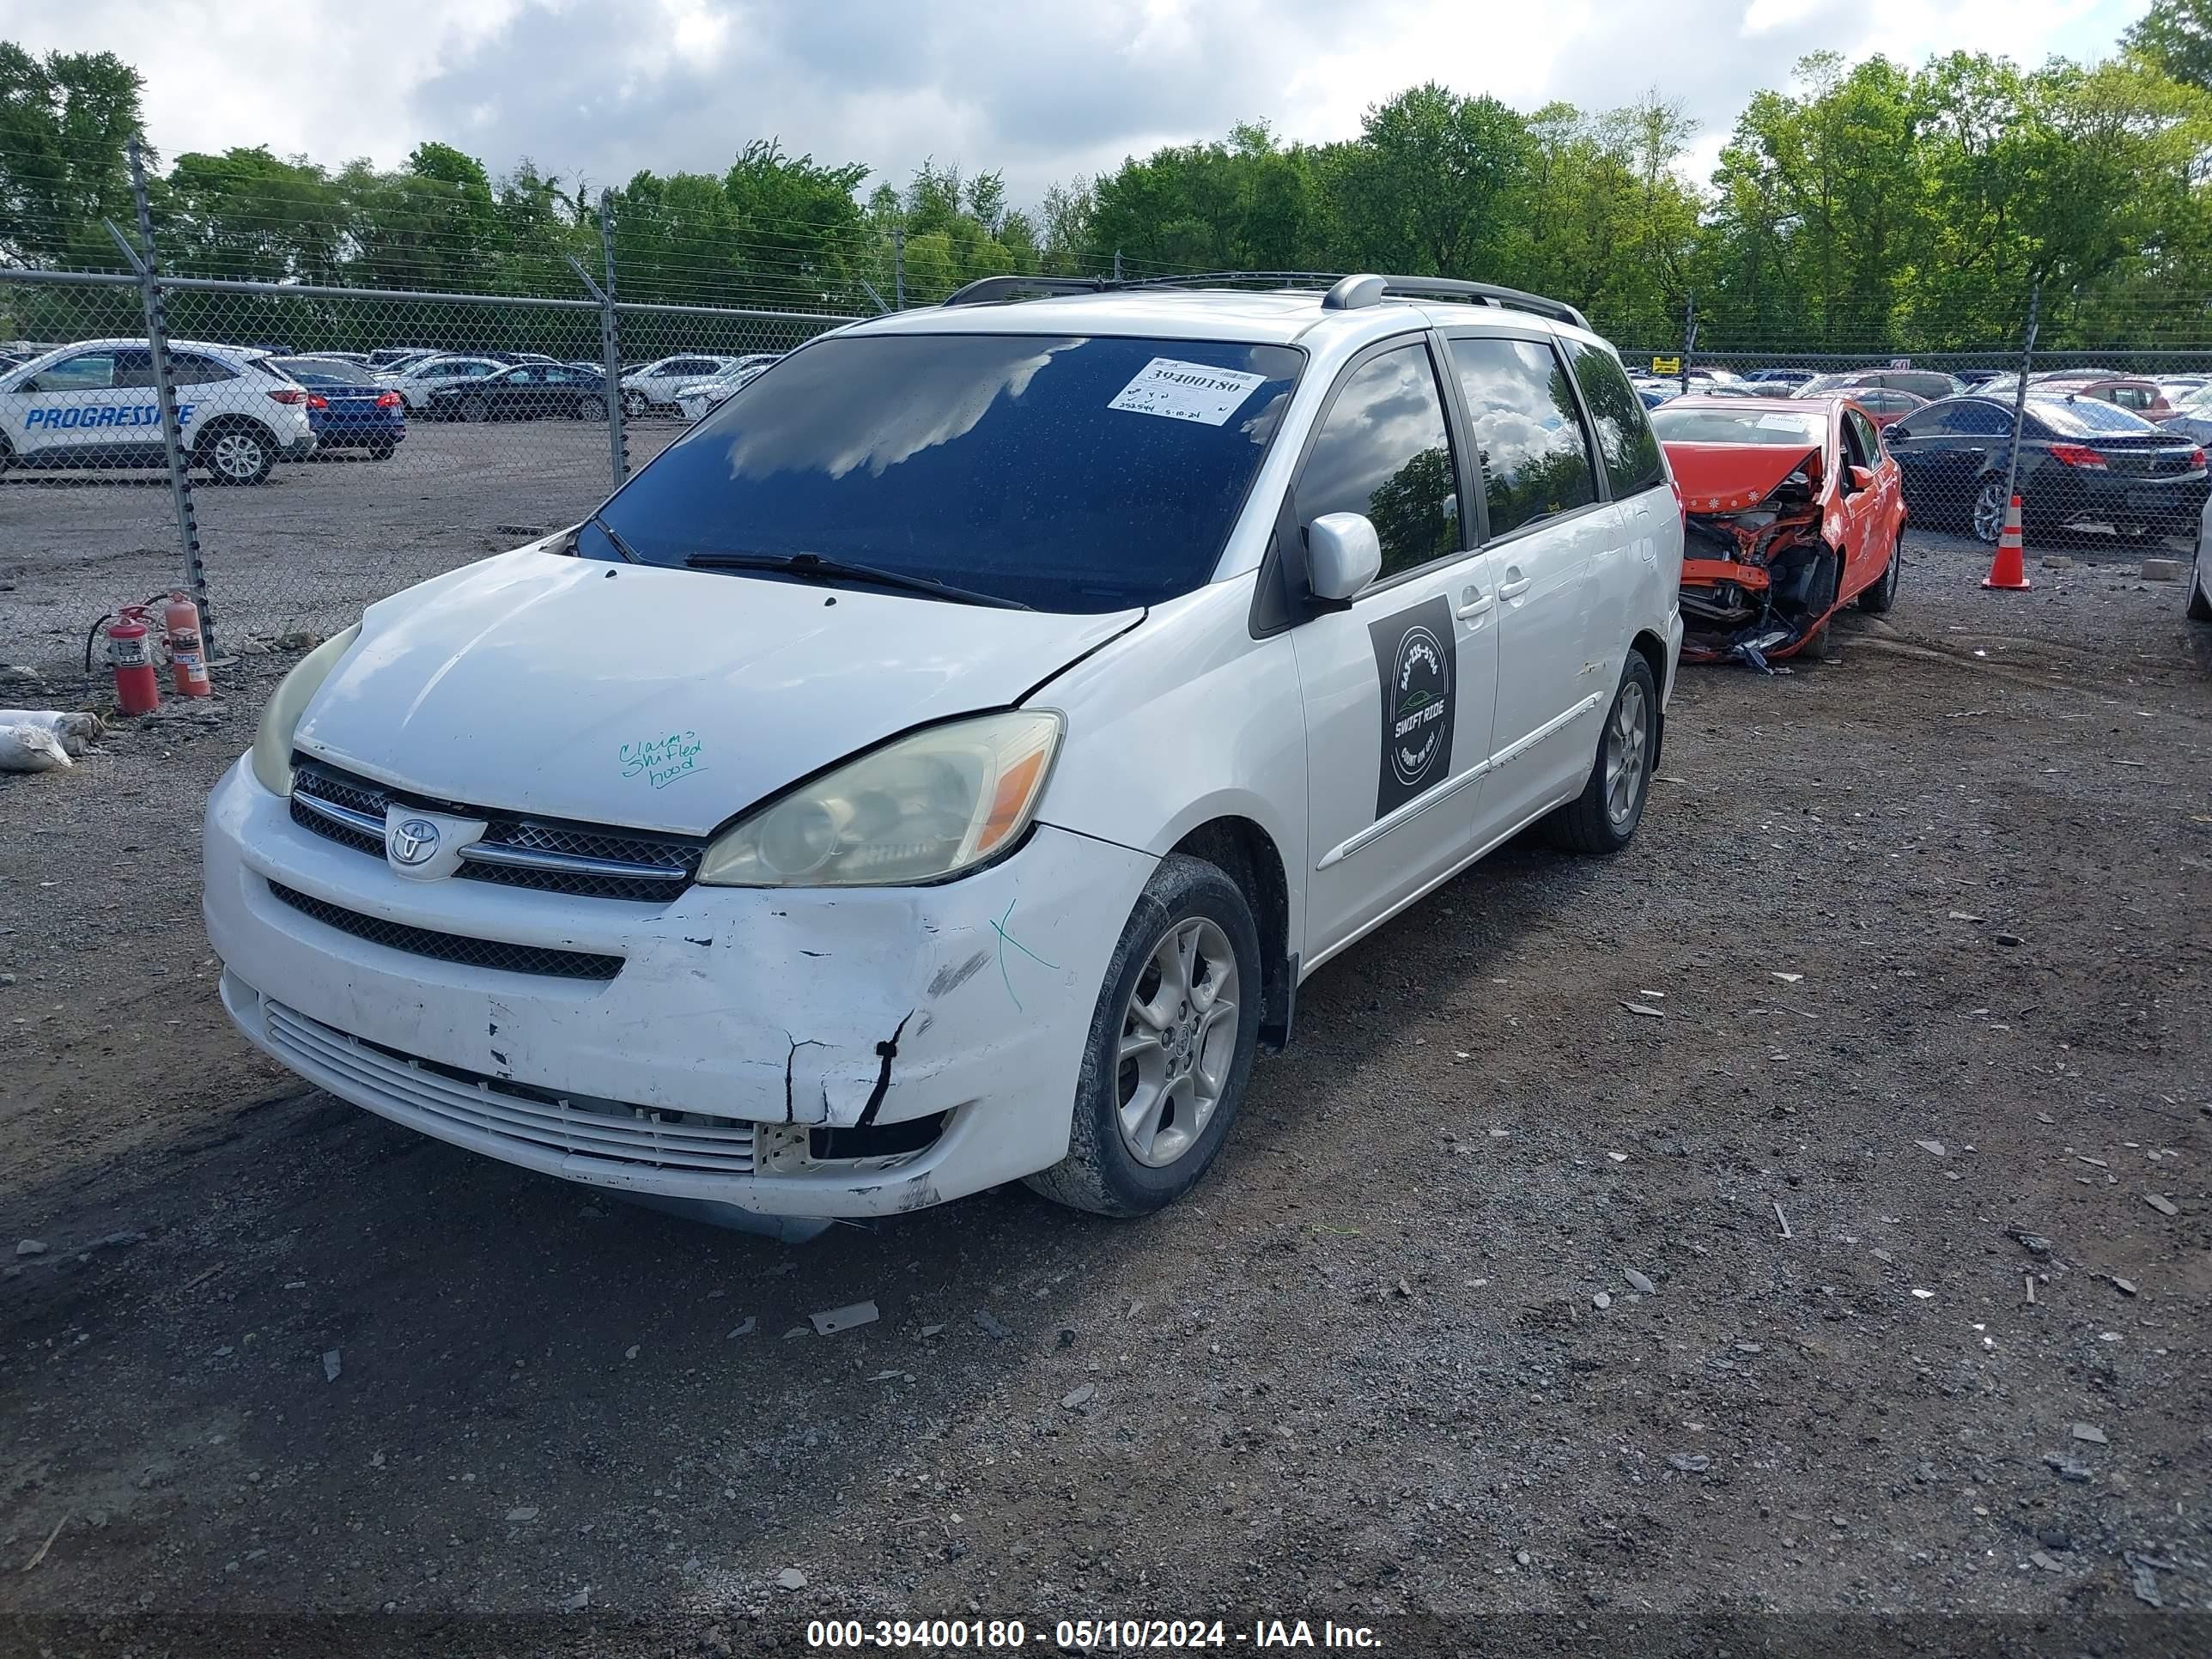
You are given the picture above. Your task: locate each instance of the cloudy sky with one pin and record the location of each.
(1043, 91)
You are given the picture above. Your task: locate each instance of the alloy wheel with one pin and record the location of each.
(1178, 1042)
(238, 455)
(1625, 752)
(1990, 512)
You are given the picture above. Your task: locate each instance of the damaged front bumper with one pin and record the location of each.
(1756, 583)
(790, 1053)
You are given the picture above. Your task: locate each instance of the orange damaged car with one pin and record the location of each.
(1791, 509)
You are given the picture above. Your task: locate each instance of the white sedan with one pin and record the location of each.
(942, 766)
(704, 397)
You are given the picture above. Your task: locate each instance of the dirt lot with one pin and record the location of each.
(1928, 927)
(310, 547)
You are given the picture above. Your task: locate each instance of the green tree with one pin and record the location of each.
(2175, 37)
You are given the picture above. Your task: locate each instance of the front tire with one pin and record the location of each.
(633, 405)
(1986, 517)
(237, 455)
(592, 408)
(475, 411)
(1876, 601)
(1170, 1049)
(2199, 607)
(1603, 819)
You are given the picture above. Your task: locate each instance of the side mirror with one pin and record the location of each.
(1861, 479)
(1343, 555)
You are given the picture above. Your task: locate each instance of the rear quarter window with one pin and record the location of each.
(1624, 440)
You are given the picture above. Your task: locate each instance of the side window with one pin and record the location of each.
(1979, 419)
(134, 369)
(1535, 457)
(93, 372)
(189, 368)
(1860, 446)
(1383, 452)
(1624, 436)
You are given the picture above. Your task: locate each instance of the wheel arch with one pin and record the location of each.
(1649, 645)
(1248, 855)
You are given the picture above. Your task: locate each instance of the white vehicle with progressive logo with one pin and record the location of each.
(941, 766)
(93, 404)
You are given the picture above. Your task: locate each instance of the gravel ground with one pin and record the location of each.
(1510, 1319)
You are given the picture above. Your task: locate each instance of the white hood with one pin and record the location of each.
(655, 698)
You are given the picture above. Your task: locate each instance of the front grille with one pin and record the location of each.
(452, 947)
(428, 1096)
(550, 840)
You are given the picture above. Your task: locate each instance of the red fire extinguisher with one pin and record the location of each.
(180, 619)
(136, 690)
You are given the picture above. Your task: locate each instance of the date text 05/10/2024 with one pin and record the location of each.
(1088, 1635)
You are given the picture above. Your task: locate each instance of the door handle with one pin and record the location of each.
(1514, 586)
(1473, 602)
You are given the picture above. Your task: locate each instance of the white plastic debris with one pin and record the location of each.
(831, 1321)
(26, 748)
(73, 731)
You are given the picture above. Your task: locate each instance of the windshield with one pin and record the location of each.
(1676, 424)
(1067, 474)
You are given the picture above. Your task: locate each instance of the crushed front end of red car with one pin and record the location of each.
(1762, 550)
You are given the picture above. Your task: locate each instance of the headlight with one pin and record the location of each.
(929, 805)
(272, 741)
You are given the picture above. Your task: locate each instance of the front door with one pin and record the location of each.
(1398, 687)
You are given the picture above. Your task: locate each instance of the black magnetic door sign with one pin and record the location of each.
(1415, 660)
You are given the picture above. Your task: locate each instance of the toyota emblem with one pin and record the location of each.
(412, 842)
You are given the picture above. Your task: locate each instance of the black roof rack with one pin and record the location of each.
(1344, 293)
(987, 290)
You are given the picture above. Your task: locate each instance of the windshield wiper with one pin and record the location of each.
(813, 566)
(620, 545)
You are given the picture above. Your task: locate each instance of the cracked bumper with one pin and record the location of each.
(753, 1006)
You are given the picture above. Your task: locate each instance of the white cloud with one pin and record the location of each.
(606, 86)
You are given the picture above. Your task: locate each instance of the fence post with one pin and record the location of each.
(1689, 335)
(2020, 393)
(142, 260)
(610, 342)
(898, 265)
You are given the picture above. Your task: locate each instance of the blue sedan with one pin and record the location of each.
(348, 407)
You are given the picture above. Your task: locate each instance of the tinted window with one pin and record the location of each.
(1535, 459)
(134, 368)
(93, 372)
(1624, 435)
(1383, 450)
(991, 461)
(2085, 414)
(189, 368)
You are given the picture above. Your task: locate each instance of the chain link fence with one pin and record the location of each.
(290, 450)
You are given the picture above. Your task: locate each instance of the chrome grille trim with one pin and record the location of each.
(589, 860)
(426, 1096)
(523, 858)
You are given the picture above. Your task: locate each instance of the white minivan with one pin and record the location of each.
(941, 765)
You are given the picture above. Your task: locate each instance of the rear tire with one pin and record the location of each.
(592, 408)
(1603, 819)
(1985, 515)
(1876, 600)
(1170, 1049)
(236, 454)
(475, 411)
(633, 405)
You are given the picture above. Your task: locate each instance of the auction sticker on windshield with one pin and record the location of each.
(1186, 392)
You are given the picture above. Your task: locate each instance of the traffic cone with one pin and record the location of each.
(2008, 568)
